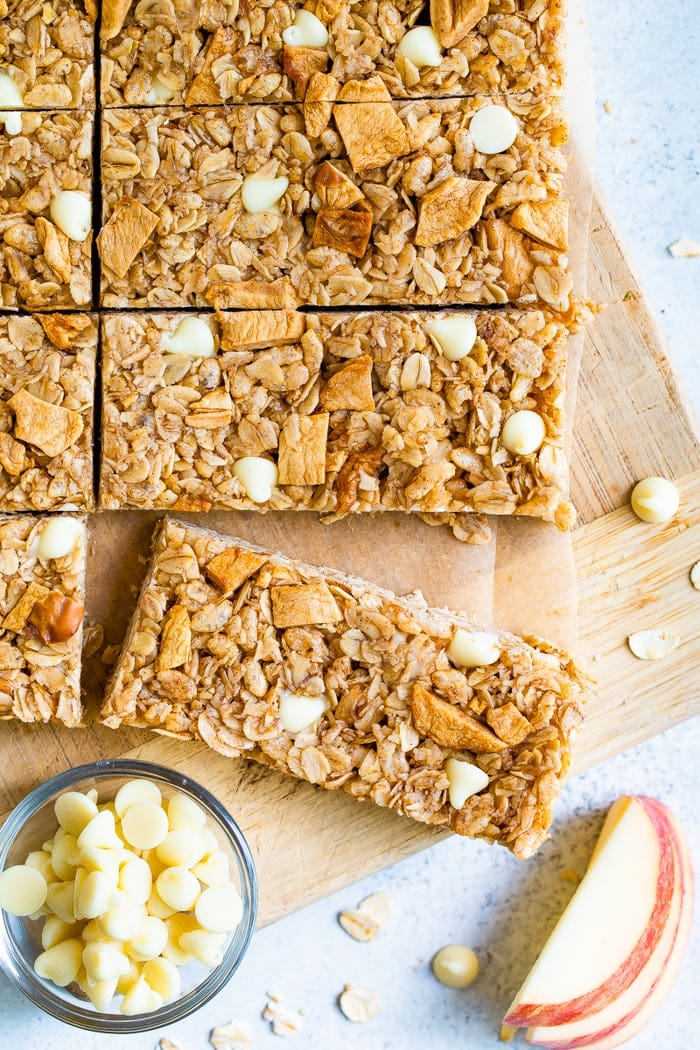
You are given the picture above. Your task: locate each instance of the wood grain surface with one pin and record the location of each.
(631, 421)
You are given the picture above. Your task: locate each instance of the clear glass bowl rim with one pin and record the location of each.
(23, 978)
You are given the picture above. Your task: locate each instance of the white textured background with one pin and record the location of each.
(646, 59)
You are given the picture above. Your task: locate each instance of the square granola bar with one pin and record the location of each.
(46, 54)
(183, 53)
(47, 388)
(46, 211)
(338, 682)
(379, 202)
(356, 412)
(42, 595)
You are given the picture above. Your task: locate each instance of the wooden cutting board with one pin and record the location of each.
(631, 422)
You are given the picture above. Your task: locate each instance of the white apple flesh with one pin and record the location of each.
(610, 928)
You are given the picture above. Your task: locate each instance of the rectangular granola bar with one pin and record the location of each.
(42, 595)
(202, 53)
(46, 51)
(45, 211)
(342, 684)
(385, 203)
(47, 391)
(359, 412)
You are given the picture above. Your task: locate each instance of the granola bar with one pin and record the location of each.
(207, 53)
(45, 211)
(47, 381)
(46, 50)
(229, 644)
(381, 418)
(385, 203)
(42, 594)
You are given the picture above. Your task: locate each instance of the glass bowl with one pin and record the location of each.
(33, 821)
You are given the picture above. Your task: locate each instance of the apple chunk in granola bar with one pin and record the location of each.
(42, 595)
(340, 683)
(388, 203)
(46, 211)
(350, 412)
(196, 53)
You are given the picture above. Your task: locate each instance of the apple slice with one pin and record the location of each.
(611, 926)
(627, 1015)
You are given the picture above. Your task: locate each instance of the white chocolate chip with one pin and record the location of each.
(56, 930)
(523, 432)
(136, 791)
(178, 887)
(183, 812)
(465, 780)
(298, 712)
(305, 31)
(140, 999)
(12, 122)
(144, 825)
(493, 128)
(453, 336)
(100, 832)
(473, 648)
(163, 977)
(93, 899)
(192, 337)
(181, 847)
(695, 576)
(59, 537)
(653, 645)
(135, 880)
(421, 47)
(71, 210)
(261, 193)
(359, 1004)
(258, 477)
(655, 500)
(124, 920)
(60, 964)
(104, 960)
(73, 809)
(455, 966)
(23, 890)
(204, 946)
(219, 908)
(101, 993)
(10, 95)
(150, 941)
(159, 92)
(213, 871)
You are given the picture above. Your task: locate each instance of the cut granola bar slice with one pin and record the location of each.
(404, 689)
(203, 53)
(46, 54)
(358, 412)
(42, 595)
(46, 211)
(392, 203)
(47, 387)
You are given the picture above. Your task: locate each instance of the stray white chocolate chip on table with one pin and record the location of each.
(455, 966)
(258, 477)
(655, 500)
(261, 193)
(71, 210)
(358, 1004)
(465, 780)
(192, 337)
(473, 648)
(421, 47)
(695, 576)
(305, 31)
(493, 129)
(523, 432)
(684, 248)
(453, 336)
(653, 645)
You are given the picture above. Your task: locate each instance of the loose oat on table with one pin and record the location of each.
(373, 664)
(358, 1004)
(388, 421)
(653, 644)
(283, 1021)
(41, 266)
(236, 1035)
(46, 49)
(179, 52)
(47, 380)
(359, 219)
(41, 610)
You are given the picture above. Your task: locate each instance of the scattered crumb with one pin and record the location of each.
(608, 106)
(236, 1035)
(684, 248)
(365, 922)
(283, 1021)
(93, 639)
(695, 576)
(110, 654)
(570, 875)
(167, 1044)
(358, 1004)
(595, 658)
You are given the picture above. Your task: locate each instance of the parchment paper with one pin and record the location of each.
(522, 580)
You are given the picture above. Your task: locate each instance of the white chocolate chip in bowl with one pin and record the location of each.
(298, 712)
(523, 432)
(473, 648)
(453, 336)
(493, 129)
(655, 500)
(71, 210)
(261, 193)
(305, 31)
(258, 477)
(58, 538)
(193, 337)
(22, 890)
(421, 47)
(465, 780)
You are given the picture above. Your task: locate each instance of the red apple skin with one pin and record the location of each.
(541, 1015)
(635, 1020)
